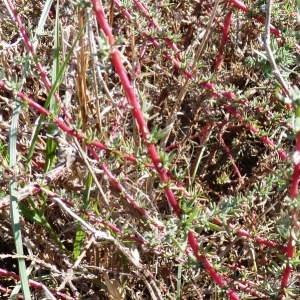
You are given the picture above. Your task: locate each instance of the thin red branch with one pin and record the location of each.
(32, 188)
(131, 200)
(32, 283)
(294, 216)
(224, 39)
(237, 171)
(245, 233)
(209, 269)
(64, 127)
(155, 43)
(136, 109)
(240, 5)
(142, 7)
(267, 141)
(209, 85)
(101, 146)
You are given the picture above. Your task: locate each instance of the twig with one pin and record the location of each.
(70, 273)
(145, 274)
(98, 234)
(224, 39)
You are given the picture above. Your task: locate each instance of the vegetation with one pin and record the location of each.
(149, 149)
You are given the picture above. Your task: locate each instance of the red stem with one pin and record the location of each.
(156, 44)
(209, 269)
(240, 5)
(136, 109)
(224, 39)
(143, 9)
(32, 283)
(208, 85)
(254, 130)
(294, 216)
(237, 171)
(64, 127)
(101, 146)
(257, 239)
(136, 206)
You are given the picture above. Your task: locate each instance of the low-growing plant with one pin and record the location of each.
(149, 150)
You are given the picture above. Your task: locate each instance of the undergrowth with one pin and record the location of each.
(149, 150)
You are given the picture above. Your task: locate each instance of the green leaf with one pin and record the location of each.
(14, 209)
(35, 216)
(80, 234)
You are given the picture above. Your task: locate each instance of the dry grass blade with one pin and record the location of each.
(113, 288)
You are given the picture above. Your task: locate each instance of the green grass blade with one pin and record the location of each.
(87, 191)
(53, 105)
(35, 216)
(179, 281)
(42, 21)
(14, 209)
(78, 241)
(4, 157)
(40, 121)
(80, 234)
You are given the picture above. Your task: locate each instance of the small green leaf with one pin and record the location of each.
(34, 216)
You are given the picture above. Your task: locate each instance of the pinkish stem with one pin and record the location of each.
(237, 171)
(136, 110)
(32, 283)
(208, 8)
(254, 130)
(209, 269)
(99, 145)
(250, 291)
(70, 204)
(136, 206)
(143, 9)
(64, 127)
(240, 5)
(294, 216)
(156, 44)
(224, 39)
(258, 239)
(116, 126)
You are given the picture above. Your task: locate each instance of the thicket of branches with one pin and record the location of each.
(149, 150)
